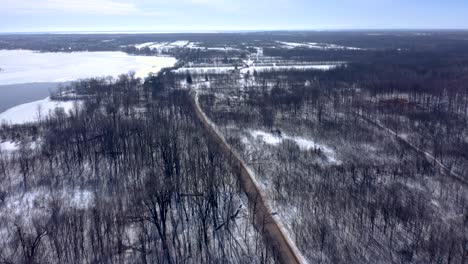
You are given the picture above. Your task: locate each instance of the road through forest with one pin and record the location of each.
(265, 222)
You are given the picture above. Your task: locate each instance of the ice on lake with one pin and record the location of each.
(25, 66)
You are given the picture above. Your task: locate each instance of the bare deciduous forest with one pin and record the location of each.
(360, 147)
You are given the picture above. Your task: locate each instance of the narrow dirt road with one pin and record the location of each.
(267, 224)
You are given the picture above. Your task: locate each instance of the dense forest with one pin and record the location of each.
(126, 177)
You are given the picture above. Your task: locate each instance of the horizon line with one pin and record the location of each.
(90, 32)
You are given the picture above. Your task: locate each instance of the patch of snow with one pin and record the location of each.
(222, 48)
(144, 45)
(81, 199)
(221, 70)
(324, 67)
(292, 44)
(29, 112)
(249, 62)
(25, 66)
(314, 45)
(404, 136)
(268, 138)
(157, 45)
(193, 45)
(9, 146)
(180, 43)
(303, 143)
(200, 70)
(37, 202)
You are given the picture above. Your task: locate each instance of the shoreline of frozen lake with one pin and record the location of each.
(15, 94)
(30, 112)
(27, 77)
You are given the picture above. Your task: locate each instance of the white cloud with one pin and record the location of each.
(104, 7)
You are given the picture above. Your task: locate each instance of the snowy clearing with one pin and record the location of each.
(159, 46)
(25, 66)
(9, 146)
(314, 45)
(31, 203)
(179, 43)
(144, 45)
(303, 143)
(29, 112)
(324, 67)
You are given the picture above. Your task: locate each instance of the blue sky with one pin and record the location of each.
(217, 15)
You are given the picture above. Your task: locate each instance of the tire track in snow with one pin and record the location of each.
(426, 154)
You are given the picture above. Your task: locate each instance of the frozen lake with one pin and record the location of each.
(27, 76)
(25, 66)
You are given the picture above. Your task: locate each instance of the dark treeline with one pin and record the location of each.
(379, 40)
(126, 177)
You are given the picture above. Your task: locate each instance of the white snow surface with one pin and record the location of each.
(9, 146)
(324, 67)
(314, 45)
(164, 45)
(220, 70)
(303, 143)
(144, 45)
(180, 43)
(27, 113)
(26, 66)
(35, 202)
(158, 45)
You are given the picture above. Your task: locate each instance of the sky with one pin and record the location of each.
(229, 15)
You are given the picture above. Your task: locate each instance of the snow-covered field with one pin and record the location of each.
(25, 66)
(303, 143)
(165, 46)
(31, 112)
(314, 45)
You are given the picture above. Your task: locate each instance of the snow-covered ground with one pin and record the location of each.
(164, 46)
(31, 112)
(324, 67)
(34, 202)
(144, 45)
(25, 66)
(179, 43)
(314, 45)
(8, 146)
(303, 143)
(220, 70)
